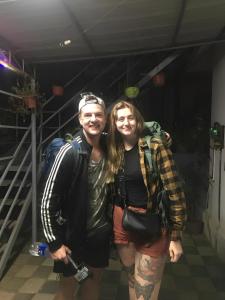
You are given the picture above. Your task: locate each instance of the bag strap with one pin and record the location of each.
(161, 198)
(148, 154)
(152, 168)
(122, 186)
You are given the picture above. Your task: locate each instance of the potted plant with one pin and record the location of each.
(132, 92)
(28, 94)
(57, 89)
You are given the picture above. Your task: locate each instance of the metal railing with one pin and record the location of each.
(8, 205)
(28, 163)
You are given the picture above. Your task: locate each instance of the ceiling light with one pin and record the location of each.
(5, 64)
(65, 43)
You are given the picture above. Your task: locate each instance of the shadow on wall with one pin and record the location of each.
(193, 170)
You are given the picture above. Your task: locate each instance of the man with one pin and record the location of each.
(74, 204)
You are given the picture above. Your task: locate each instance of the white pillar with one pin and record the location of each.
(214, 217)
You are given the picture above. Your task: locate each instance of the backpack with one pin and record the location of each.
(153, 132)
(52, 150)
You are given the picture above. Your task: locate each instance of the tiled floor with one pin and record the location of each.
(199, 275)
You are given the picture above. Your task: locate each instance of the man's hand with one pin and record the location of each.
(61, 254)
(175, 250)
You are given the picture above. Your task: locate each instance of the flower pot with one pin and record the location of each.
(132, 92)
(30, 102)
(58, 90)
(159, 79)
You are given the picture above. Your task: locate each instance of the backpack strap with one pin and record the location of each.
(148, 154)
(162, 202)
(151, 167)
(153, 133)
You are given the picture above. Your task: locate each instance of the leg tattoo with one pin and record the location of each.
(149, 268)
(143, 290)
(148, 273)
(130, 274)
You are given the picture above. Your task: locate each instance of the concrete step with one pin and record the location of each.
(13, 168)
(2, 248)
(7, 182)
(9, 224)
(9, 201)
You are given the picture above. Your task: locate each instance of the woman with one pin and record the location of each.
(143, 261)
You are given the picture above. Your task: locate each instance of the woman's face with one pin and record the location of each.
(126, 122)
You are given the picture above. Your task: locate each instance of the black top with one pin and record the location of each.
(136, 192)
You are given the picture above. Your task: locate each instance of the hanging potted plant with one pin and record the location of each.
(159, 79)
(57, 89)
(28, 94)
(132, 92)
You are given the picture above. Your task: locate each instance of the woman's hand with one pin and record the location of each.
(61, 254)
(175, 251)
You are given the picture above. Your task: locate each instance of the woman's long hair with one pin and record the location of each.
(115, 143)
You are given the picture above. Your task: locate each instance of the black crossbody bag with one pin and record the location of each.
(145, 225)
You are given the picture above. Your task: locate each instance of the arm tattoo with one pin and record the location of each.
(143, 290)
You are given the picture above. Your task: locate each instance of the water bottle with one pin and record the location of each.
(39, 249)
(82, 271)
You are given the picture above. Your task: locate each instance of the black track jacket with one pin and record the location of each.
(65, 197)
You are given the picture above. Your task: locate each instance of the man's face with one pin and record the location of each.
(92, 118)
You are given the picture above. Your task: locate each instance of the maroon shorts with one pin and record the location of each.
(158, 248)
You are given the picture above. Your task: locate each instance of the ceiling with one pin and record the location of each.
(34, 29)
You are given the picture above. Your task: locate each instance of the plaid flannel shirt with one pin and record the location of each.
(162, 155)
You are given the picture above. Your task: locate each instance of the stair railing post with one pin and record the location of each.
(34, 176)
